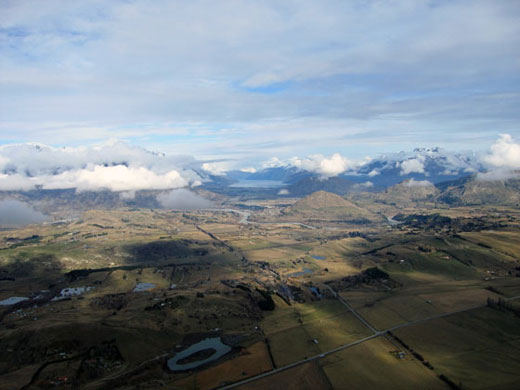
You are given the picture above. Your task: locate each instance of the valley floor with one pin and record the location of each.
(106, 300)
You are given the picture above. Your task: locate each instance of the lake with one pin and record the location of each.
(258, 184)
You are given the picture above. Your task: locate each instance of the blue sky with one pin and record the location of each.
(247, 81)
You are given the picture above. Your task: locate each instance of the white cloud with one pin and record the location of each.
(417, 183)
(3, 162)
(325, 166)
(331, 166)
(505, 153)
(17, 182)
(216, 168)
(113, 166)
(283, 191)
(115, 178)
(411, 166)
(499, 174)
(273, 162)
(334, 165)
(248, 170)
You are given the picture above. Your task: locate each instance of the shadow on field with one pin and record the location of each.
(160, 251)
(33, 266)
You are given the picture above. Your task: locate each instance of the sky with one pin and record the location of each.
(238, 83)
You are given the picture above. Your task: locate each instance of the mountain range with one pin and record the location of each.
(423, 175)
(432, 165)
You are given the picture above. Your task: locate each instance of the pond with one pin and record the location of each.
(196, 355)
(12, 301)
(140, 287)
(300, 273)
(316, 257)
(392, 221)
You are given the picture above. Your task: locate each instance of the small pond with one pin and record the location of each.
(300, 273)
(12, 301)
(196, 355)
(144, 287)
(316, 257)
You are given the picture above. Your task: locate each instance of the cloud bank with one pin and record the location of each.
(317, 163)
(120, 167)
(113, 166)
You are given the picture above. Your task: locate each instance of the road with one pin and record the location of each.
(350, 308)
(352, 344)
(289, 366)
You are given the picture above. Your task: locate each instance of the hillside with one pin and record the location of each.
(324, 205)
(479, 192)
(408, 193)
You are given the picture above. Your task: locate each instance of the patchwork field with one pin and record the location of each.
(107, 299)
(371, 365)
(477, 349)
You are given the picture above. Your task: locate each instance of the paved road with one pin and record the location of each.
(354, 343)
(289, 366)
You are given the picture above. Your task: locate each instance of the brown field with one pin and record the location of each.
(397, 310)
(215, 292)
(478, 349)
(308, 376)
(292, 329)
(371, 366)
(252, 361)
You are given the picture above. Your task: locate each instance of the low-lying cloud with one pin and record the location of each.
(216, 168)
(500, 174)
(114, 166)
(326, 167)
(14, 213)
(183, 199)
(412, 166)
(417, 183)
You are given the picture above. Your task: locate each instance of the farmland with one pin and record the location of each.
(110, 296)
